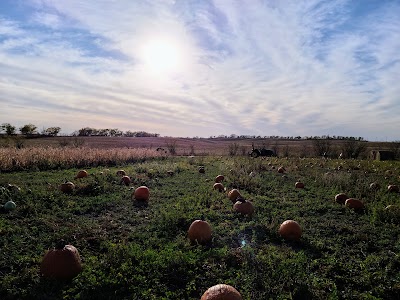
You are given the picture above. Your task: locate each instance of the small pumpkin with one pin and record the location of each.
(63, 262)
(202, 170)
(243, 206)
(290, 230)
(67, 187)
(170, 172)
(393, 208)
(221, 292)
(392, 188)
(200, 231)
(126, 180)
(341, 198)
(374, 186)
(14, 188)
(233, 195)
(142, 193)
(219, 178)
(218, 186)
(355, 204)
(281, 170)
(82, 174)
(10, 205)
(299, 185)
(121, 173)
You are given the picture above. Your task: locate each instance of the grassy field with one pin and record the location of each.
(135, 251)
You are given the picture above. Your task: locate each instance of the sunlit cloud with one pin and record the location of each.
(202, 68)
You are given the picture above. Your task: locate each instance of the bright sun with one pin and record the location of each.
(161, 56)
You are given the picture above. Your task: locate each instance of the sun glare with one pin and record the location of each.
(161, 56)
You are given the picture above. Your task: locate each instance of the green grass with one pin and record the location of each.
(133, 251)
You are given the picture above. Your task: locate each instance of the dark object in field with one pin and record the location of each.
(160, 149)
(382, 155)
(261, 152)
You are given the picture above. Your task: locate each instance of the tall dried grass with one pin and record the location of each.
(45, 158)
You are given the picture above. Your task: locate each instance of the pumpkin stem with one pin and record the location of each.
(60, 244)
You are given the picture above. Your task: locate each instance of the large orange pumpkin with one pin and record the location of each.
(233, 194)
(221, 292)
(290, 230)
(82, 174)
(67, 187)
(142, 193)
(63, 262)
(244, 207)
(354, 204)
(219, 178)
(199, 231)
(341, 198)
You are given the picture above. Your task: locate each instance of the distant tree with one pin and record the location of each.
(321, 146)
(115, 132)
(87, 131)
(8, 128)
(52, 131)
(28, 129)
(129, 133)
(353, 148)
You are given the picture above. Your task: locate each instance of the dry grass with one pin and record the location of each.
(45, 158)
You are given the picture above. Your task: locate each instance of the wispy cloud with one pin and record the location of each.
(260, 67)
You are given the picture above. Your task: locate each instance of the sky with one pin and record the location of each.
(191, 68)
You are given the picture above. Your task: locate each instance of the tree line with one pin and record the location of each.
(31, 130)
(278, 137)
(28, 129)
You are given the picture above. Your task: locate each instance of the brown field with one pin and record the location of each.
(192, 146)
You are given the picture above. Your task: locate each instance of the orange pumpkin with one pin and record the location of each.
(281, 170)
(341, 198)
(299, 185)
(233, 194)
(221, 292)
(244, 207)
(199, 231)
(82, 174)
(121, 173)
(290, 230)
(219, 178)
(392, 188)
(142, 193)
(218, 186)
(126, 180)
(63, 262)
(67, 187)
(354, 204)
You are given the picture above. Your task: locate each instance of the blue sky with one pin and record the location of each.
(203, 68)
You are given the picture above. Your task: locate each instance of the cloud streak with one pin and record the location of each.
(263, 67)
